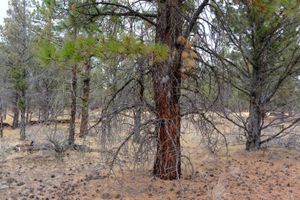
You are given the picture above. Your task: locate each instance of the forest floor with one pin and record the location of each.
(270, 174)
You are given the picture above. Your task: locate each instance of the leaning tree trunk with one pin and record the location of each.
(85, 99)
(73, 106)
(15, 123)
(166, 86)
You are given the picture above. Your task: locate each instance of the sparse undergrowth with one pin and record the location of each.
(82, 174)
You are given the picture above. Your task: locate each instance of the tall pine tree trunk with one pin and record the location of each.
(28, 110)
(256, 110)
(15, 123)
(166, 86)
(254, 126)
(1, 125)
(47, 105)
(22, 107)
(1, 119)
(85, 99)
(73, 106)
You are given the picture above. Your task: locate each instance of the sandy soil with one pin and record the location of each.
(270, 174)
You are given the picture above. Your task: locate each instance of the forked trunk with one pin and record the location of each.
(166, 87)
(85, 100)
(73, 106)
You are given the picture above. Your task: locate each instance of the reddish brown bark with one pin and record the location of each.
(166, 86)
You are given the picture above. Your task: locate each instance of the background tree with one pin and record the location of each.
(17, 35)
(261, 55)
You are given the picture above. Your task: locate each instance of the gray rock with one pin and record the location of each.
(3, 186)
(106, 195)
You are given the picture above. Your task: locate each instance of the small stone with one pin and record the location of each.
(10, 180)
(2, 187)
(20, 183)
(106, 195)
(117, 196)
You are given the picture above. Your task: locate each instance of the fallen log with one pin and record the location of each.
(52, 121)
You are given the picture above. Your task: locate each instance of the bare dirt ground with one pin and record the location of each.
(270, 174)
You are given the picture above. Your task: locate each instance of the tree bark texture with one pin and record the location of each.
(85, 99)
(166, 86)
(22, 108)
(257, 107)
(73, 106)
(138, 110)
(15, 123)
(1, 119)
(1, 125)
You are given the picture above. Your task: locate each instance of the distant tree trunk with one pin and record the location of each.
(73, 106)
(1, 119)
(138, 110)
(166, 86)
(15, 123)
(4, 112)
(27, 111)
(106, 134)
(85, 99)
(22, 107)
(47, 104)
(39, 114)
(1, 125)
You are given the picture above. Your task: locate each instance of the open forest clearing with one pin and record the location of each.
(271, 173)
(150, 99)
